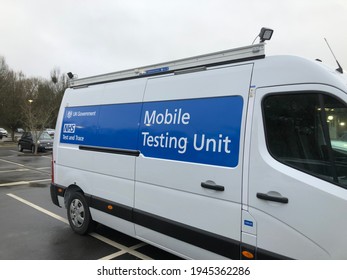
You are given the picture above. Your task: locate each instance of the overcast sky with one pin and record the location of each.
(90, 37)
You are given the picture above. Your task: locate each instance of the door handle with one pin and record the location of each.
(212, 186)
(268, 197)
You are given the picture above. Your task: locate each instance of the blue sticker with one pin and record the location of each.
(157, 70)
(248, 223)
(205, 130)
(107, 126)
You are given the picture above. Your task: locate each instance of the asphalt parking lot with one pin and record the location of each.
(33, 228)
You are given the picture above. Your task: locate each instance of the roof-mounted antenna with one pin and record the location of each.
(340, 68)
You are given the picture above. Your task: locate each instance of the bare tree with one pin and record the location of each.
(3, 84)
(40, 108)
(3, 72)
(11, 100)
(33, 103)
(59, 83)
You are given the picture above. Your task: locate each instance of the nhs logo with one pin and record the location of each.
(69, 128)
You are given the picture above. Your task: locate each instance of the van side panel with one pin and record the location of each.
(191, 132)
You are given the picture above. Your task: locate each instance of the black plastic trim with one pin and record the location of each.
(54, 194)
(125, 152)
(212, 242)
(212, 186)
(207, 240)
(267, 255)
(112, 208)
(265, 196)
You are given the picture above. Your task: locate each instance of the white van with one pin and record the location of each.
(226, 155)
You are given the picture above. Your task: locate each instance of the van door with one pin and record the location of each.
(188, 175)
(97, 134)
(297, 175)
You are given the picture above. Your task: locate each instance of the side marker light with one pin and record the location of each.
(247, 254)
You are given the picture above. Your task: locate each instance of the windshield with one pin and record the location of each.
(45, 136)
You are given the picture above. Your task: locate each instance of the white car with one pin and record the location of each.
(3, 132)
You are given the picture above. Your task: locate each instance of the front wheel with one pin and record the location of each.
(78, 214)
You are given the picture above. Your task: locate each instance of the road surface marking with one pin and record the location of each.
(11, 162)
(39, 208)
(123, 249)
(23, 182)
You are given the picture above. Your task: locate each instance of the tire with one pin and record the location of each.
(20, 148)
(78, 214)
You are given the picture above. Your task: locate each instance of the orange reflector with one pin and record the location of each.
(247, 254)
(60, 190)
(109, 207)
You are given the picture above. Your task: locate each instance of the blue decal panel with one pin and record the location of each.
(205, 130)
(80, 125)
(108, 126)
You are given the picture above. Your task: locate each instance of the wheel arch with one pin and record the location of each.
(70, 190)
(77, 204)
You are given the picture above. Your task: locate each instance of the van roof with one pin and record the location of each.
(269, 71)
(289, 70)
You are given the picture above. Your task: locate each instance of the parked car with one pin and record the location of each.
(28, 139)
(3, 132)
(50, 131)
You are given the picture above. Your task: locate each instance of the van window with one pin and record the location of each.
(308, 131)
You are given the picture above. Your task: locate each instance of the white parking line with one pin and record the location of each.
(123, 249)
(38, 169)
(14, 184)
(49, 157)
(131, 251)
(14, 170)
(42, 168)
(55, 216)
(11, 162)
(23, 182)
